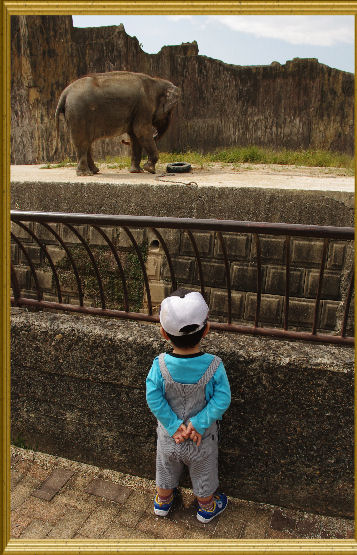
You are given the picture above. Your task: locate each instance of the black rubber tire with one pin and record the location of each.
(178, 167)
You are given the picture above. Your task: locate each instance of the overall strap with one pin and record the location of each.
(207, 376)
(163, 369)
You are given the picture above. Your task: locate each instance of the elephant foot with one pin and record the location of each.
(136, 169)
(94, 169)
(149, 167)
(84, 172)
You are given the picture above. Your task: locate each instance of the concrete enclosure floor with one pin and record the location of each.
(247, 175)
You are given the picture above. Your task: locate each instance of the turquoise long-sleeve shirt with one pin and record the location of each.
(188, 369)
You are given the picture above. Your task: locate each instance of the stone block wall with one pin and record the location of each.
(305, 261)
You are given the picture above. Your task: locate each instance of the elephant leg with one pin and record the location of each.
(136, 153)
(149, 144)
(82, 156)
(90, 161)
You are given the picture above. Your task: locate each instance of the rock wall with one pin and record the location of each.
(302, 104)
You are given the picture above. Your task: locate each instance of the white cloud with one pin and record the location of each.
(178, 17)
(295, 29)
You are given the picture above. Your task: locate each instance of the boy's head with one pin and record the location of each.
(183, 316)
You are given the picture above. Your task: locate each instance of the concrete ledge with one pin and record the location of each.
(211, 198)
(78, 391)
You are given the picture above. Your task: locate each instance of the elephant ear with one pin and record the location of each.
(168, 100)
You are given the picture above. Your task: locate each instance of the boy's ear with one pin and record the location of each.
(208, 325)
(164, 334)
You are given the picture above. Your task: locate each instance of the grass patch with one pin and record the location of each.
(236, 156)
(249, 155)
(260, 155)
(66, 163)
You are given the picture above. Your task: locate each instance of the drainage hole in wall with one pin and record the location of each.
(154, 244)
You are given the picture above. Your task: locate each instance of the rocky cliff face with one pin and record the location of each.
(302, 104)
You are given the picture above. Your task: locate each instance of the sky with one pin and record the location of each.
(244, 39)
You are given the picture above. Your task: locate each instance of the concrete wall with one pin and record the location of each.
(78, 391)
(302, 104)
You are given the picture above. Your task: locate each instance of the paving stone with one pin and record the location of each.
(36, 529)
(79, 500)
(161, 527)
(16, 477)
(68, 526)
(41, 509)
(53, 484)
(130, 518)
(307, 528)
(21, 493)
(18, 523)
(109, 490)
(193, 534)
(98, 522)
(228, 527)
(257, 522)
(278, 535)
(281, 522)
(139, 502)
(117, 531)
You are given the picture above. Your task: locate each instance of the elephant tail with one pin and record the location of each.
(59, 110)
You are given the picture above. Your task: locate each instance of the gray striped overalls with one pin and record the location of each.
(186, 400)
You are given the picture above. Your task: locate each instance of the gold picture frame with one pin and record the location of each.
(141, 7)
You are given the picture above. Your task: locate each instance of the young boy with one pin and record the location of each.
(187, 391)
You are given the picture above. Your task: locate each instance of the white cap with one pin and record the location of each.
(185, 309)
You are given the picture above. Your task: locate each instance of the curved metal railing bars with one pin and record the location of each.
(228, 276)
(15, 285)
(259, 280)
(348, 303)
(70, 257)
(198, 259)
(119, 265)
(143, 269)
(92, 259)
(168, 258)
(191, 225)
(319, 287)
(45, 252)
(287, 283)
(32, 267)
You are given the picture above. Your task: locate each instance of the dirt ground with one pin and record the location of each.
(246, 175)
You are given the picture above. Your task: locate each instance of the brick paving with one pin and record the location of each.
(56, 498)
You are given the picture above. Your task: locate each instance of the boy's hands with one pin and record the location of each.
(193, 434)
(180, 434)
(187, 432)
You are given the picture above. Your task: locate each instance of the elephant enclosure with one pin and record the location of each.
(302, 104)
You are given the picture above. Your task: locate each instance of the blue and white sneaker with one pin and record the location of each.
(162, 509)
(219, 504)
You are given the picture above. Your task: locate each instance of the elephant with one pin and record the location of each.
(107, 104)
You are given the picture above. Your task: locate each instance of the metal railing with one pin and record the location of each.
(100, 222)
